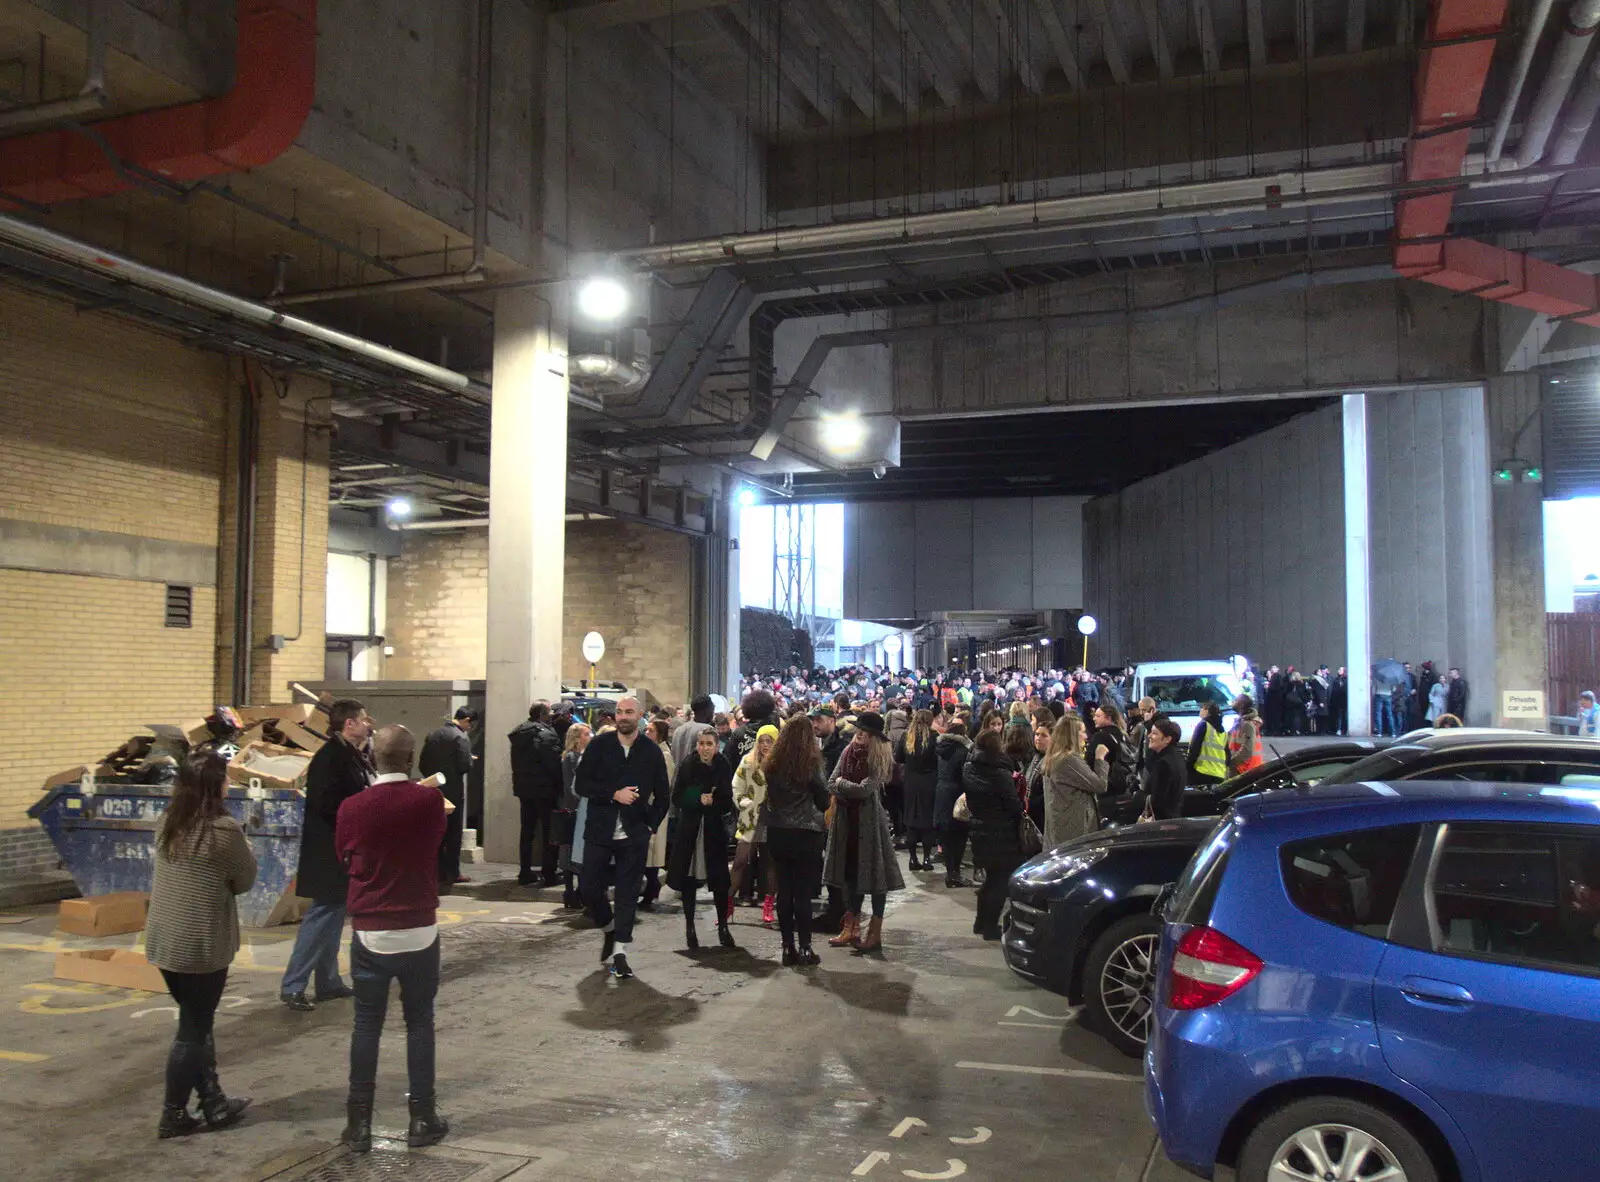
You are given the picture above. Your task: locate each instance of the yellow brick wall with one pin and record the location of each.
(108, 425)
(631, 583)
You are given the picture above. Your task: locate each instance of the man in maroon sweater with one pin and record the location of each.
(388, 841)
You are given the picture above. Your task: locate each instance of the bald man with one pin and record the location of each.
(388, 838)
(625, 782)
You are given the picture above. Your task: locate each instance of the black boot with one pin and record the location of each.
(358, 1128)
(790, 956)
(690, 936)
(218, 1110)
(724, 936)
(183, 1068)
(427, 1126)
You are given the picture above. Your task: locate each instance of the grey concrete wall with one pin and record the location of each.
(1358, 335)
(1239, 552)
(1521, 641)
(1428, 465)
(905, 559)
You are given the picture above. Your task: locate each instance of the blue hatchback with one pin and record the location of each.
(1400, 982)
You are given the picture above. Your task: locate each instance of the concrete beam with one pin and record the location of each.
(1158, 38)
(1355, 26)
(942, 70)
(1357, 566)
(1111, 42)
(1255, 33)
(1206, 33)
(57, 549)
(985, 63)
(586, 16)
(1061, 43)
(863, 33)
(1026, 74)
(848, 68)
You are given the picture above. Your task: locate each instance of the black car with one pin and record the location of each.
(1078, 919)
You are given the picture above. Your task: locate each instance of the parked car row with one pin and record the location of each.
(1392, 973)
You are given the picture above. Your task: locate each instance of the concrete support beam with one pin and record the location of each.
(1158, 38)
(1111, 42)
(1061, 43)
(1521, 640)
(1357, 566)
(585, 16)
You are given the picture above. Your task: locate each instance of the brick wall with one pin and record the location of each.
(631, 583)
(106, 425)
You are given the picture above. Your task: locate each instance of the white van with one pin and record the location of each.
(1180, 688)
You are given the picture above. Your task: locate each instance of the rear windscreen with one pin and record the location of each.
(1202, 878)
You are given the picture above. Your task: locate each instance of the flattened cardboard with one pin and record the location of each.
(126, 968)
(300, 737)
(238, 773)
(103, 915)
(297, 712)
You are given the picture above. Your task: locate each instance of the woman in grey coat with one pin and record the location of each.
(192, 933)
(1071, 786)
(861, 857)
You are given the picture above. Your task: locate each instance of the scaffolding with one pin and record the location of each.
(794, 572)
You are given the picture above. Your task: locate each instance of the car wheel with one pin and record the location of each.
(1332, 1137)
(1119, 981)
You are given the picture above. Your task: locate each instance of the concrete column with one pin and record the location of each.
(734, 514)
(1357, 566)
(1521, 641)
(527, 538)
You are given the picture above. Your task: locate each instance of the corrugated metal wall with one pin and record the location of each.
(1571, 439)
(1239, 552)
(905, 558)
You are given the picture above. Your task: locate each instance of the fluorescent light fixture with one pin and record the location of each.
(602, 298)
(747, 496)
(399, 507)
(843, 434)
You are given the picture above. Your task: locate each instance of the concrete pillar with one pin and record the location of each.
(527, 538)
(1357, 566)
(1521, 642)
(733, 513)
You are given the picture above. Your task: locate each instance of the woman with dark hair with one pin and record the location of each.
(996, 809)
(703, 796)
(797, 795)
(953, 748)
(917, 754)
(861, 857)
(577, 738)
(192, 933)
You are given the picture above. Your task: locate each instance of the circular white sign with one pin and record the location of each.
(1087, 625)
(594, 647)
(891, 643)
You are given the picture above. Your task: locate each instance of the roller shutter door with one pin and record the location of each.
(1572, 439)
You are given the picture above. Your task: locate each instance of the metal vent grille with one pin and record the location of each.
(180, 606)
(1572, 437)
(383, 1164)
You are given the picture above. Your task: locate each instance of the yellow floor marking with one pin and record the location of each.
(22, 1057)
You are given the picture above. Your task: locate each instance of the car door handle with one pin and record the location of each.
(1431, 992)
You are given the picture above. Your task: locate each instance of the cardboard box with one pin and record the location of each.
(123, 967)
(274, 766)
(298, 712)
(300, 737)
(104, 915)
(69, 775)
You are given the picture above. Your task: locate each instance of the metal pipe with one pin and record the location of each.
(480, 134)
(450, 279)
(244, 539)
(91, 97)
(445, 523)
(1580, 118)
(1582, 19)
(1519, 78)
(124, 270)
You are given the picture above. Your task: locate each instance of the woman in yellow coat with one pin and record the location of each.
(750, 798)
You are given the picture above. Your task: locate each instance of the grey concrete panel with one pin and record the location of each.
(57, 549)
(886, 560)
(1002, 555)
(944, 556)
(1057, 552)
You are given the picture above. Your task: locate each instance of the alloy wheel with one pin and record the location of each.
(1127, 983)
(1334, 1153)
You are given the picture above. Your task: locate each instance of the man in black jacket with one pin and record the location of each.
(625, 782)
(1455, 700)
(536, 783)
(833, 741)
(1165, 774)
(336, 773)
(757, 708)
(447, 751)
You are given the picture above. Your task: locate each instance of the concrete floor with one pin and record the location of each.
(718, 1066)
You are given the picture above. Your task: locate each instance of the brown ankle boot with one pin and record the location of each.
(849, 928)
(874, 937)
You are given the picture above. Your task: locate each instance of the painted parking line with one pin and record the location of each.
(1067, 1072)
(22, 1057)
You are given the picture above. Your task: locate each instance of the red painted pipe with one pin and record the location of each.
(254, 123)
(1450, 79)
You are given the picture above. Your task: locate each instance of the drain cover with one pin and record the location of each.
(442, 1163)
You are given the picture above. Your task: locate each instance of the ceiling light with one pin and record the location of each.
(843, 434)
(399, 507)
(602, 298)
(747, 496)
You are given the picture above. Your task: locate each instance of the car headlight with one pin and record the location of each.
(1050, 868)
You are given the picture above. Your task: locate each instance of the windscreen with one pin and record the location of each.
(1380, 765)
(1185, 693)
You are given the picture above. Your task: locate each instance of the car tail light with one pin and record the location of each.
(1207, 968)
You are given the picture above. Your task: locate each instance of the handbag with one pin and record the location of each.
(1029, 837)
(961, 812)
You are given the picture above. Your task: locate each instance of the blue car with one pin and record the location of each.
(1400, 981)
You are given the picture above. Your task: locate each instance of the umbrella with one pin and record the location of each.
(1388, 673)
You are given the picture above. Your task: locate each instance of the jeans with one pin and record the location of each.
(879, 899)
(1383, 719)
(450, 849)
(629, 857)
(316, 948)
(796, 859)
(536, 817)
(418, 974)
